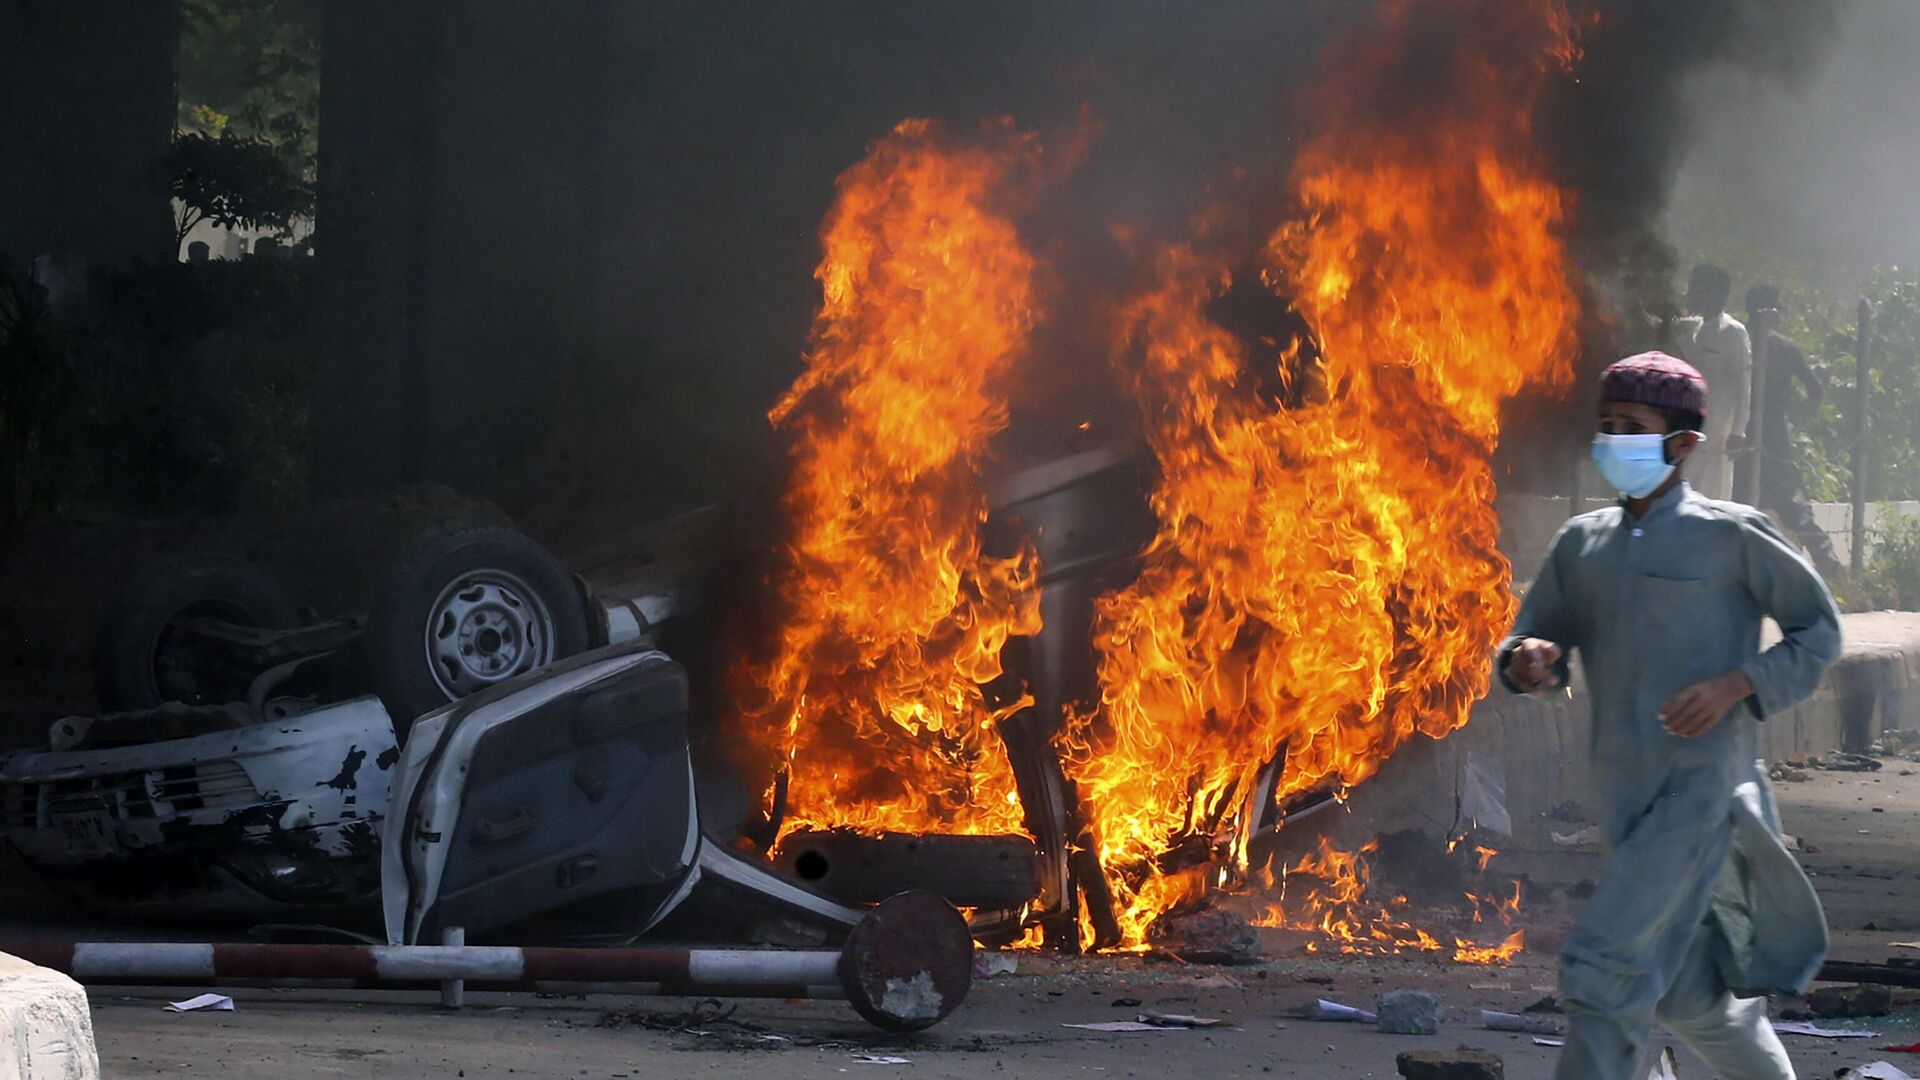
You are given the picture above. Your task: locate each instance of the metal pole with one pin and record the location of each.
(1862, 428)
(453, 992)
(1754, 452)
(905, 966)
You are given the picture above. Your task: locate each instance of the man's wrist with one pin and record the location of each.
(1740, 684)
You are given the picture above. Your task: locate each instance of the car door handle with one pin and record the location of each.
(493, 831)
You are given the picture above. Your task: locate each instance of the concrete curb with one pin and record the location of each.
(47, 1030)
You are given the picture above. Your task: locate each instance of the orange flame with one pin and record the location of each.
(1325, 577)
(1324, 583)
(1340, 908)
(893, 617)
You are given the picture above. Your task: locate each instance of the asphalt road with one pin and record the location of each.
(1863, 825)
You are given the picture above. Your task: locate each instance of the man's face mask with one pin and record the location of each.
(1636, 465)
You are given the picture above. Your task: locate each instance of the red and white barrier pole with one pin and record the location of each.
(906, 965)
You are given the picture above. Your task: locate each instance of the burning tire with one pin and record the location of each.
(144, 656)
(463, 611)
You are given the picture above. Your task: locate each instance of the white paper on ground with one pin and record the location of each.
(216, 1002)
(1877, 1070)
(1801, 1027)
(1122, 1025)
(880, 1059)
(1333, 1010)
(1542, 1040)
(1526, 1025)
(1483, 794)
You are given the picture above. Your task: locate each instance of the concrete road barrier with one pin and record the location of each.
(46, 1029)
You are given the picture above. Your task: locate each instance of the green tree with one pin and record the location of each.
(252, 67)
(1826, 328)
(235, 181)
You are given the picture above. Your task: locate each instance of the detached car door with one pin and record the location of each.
(560, 804)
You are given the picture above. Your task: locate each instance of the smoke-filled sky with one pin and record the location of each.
(1824, 169)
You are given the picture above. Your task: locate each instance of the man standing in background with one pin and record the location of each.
(1782, 487)
(1716, 343)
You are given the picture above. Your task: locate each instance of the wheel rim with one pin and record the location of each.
(484, 628)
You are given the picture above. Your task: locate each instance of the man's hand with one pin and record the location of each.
(1694, 711)
(1531, 665)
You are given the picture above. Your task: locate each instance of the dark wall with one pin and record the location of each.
(86, 109)
(566, 248)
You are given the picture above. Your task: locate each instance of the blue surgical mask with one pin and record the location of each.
(1636, 465)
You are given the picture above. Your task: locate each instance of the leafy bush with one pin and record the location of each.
(1892, 577)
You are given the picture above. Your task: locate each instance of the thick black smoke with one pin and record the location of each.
(1618, 133)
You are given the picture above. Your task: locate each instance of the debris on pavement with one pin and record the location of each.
(1334, 1012)
(1665, 1067)
(1410, 1012)
(1125, 1003)
(209, 1002)
(1462, 1064)
(986, 965)
(1548, 1004)
(1802, 1027)
(1525, 1025)
(881, 1059)
(1580, 838)
(1839, 1002)
(1122, 1025)
(1783, 771)
(1840, 761)
(1209, 935)
(1542, 1040)
(1177, 1020)
(1877, 1070)
(1483, 794)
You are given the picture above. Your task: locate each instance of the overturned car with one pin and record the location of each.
(452, 756)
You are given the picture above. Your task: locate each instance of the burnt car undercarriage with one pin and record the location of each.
(463, 757)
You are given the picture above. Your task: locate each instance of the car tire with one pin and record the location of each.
(462, 611)
(140, 659)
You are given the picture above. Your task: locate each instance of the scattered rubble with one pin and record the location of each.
(1840, 761)
(1783, 771)
(1209, 935)
(1462, 1064)
(1586, 837)
(1837, 1002)
(1410, 1012)
(986, 965)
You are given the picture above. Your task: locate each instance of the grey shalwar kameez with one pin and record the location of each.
(1701, 909)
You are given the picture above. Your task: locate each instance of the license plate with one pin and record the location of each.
(87, 832)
